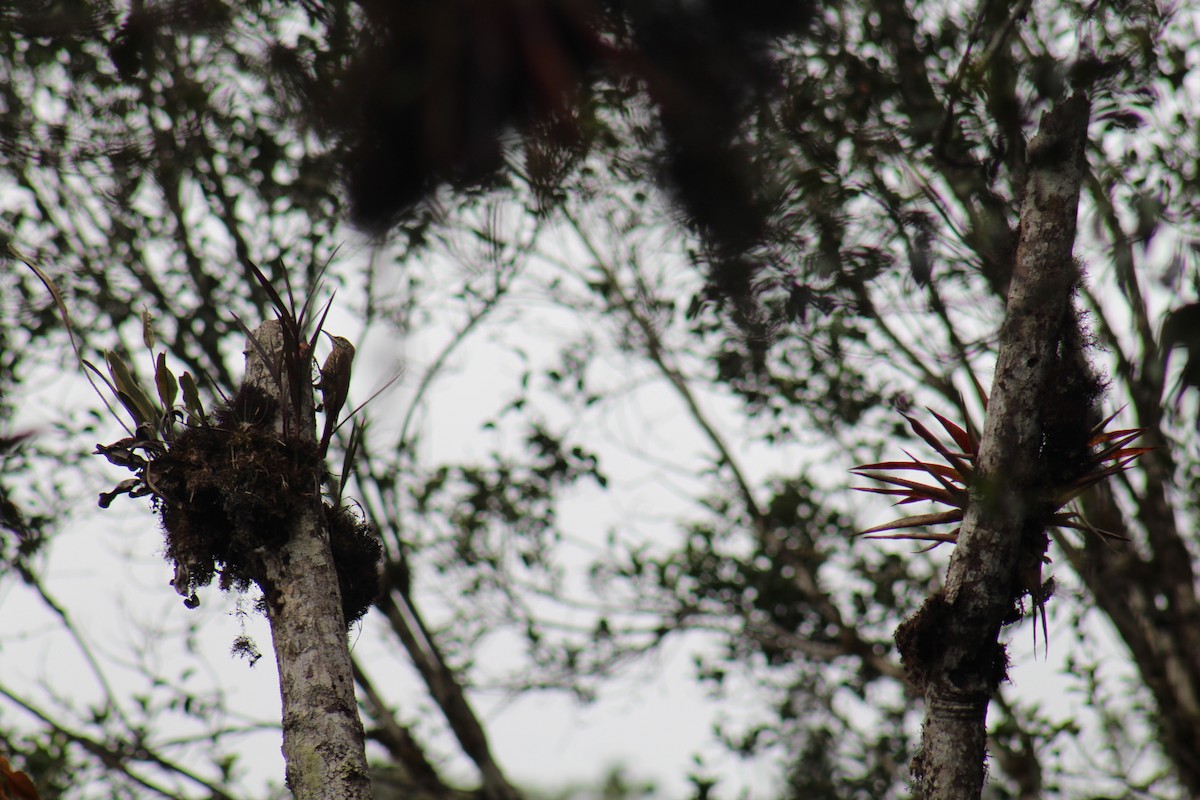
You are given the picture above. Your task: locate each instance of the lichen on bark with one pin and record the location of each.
(951, 647)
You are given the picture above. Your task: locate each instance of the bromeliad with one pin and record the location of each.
(1110, 453)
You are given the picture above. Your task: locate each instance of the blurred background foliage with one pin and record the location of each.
(673, 263)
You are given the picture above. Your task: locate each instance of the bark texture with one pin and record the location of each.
(323, 742)
(951, 646)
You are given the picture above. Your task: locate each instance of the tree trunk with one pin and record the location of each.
(951, 647)
(1153, 605)
(323, 741)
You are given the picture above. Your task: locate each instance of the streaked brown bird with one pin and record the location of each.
(334, 385)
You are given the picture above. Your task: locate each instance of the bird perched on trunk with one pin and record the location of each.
(334, 385)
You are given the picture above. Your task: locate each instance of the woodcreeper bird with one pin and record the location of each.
(334, 385)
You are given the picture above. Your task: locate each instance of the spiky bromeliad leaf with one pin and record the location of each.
(1110, 454)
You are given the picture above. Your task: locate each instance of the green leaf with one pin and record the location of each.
(164, 380)
(191, 399)
(148, 328)
(129, 391)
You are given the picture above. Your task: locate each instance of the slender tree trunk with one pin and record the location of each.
(1153, 605)
(951, 647)
(446, 690)
(323, 741)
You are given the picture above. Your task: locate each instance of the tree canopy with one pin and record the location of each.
(679, 265)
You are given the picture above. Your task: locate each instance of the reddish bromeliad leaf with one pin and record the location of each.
(14, 784)
(951, 481)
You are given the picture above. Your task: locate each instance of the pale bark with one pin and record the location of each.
(323, 741)
(951, 646)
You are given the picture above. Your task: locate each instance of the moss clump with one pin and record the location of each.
(227, 490)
